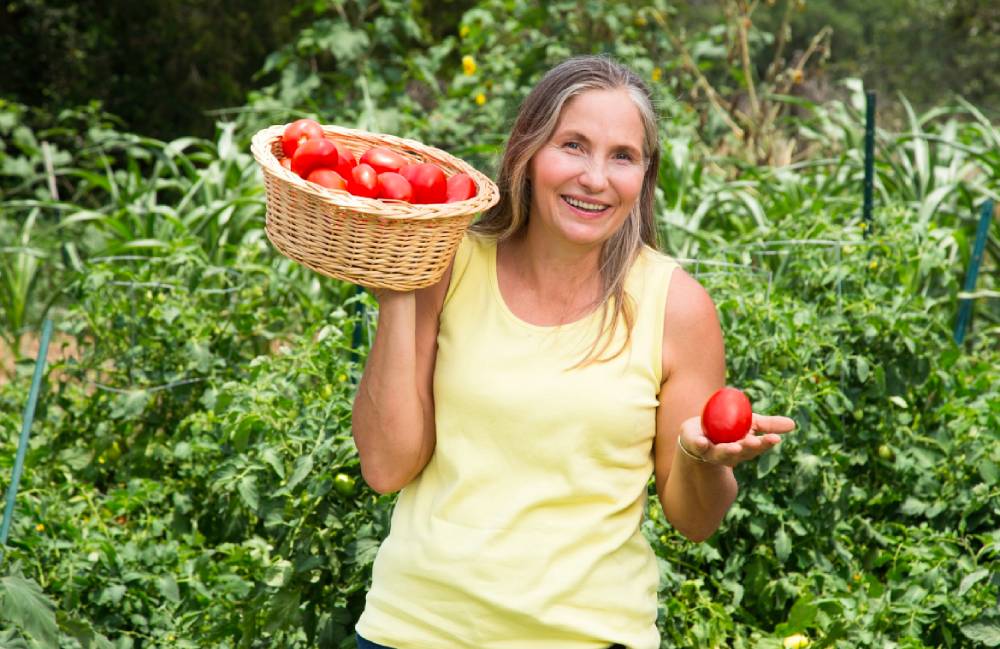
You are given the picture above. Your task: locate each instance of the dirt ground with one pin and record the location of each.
(61, 347)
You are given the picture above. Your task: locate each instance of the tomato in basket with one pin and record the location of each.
(382, 159)
(394, 187)
(430, 185)
(363, 181)
(327, 178)
(461, 188)
(345, 162)
(312, 154)
(299, 132)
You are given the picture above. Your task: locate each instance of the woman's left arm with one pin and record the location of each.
(696, 493)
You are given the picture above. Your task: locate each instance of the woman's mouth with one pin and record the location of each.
(586, 208)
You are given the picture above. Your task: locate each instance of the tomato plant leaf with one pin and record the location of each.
(971, 580)
(985, 630)
(23, 604)
(248, 491)
(782, 545)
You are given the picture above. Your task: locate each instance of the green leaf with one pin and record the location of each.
(971, 580)
(129, 405)
(913, 506)
(782, 545)
(803, 613)
(168, 588)
(303, 466)
(23, 604)
(248, 491)
(863, 369)
(985, 630)
(767, 462)
(899, 401)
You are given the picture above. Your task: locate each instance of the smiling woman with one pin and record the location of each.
(523, 402)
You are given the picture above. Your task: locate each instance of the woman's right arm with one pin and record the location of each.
(393, 414)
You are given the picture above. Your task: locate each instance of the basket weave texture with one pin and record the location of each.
(375, 243)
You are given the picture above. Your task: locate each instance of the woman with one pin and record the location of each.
(523, 401)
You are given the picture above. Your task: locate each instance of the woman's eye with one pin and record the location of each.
(572, 145)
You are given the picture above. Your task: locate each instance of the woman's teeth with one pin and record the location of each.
(590, 207)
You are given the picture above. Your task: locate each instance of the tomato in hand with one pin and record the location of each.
(314, 153)
(298, 132)
(460, 188)
(363, 181)
(429, 183)
(327, 178)
(394, 187)
(727, 416)
(382, 159)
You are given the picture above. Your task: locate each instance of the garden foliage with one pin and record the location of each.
(192, 481)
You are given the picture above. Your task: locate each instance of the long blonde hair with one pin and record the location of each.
(536, 120)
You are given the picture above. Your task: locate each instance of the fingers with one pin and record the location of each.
(772, 424)
(748, 448)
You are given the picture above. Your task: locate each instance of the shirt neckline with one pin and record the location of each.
(516, 319)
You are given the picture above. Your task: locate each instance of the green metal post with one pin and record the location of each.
(965, 307)
(22, 446)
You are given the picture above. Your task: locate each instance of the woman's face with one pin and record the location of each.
(589, 174)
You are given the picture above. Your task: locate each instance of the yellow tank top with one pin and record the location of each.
(522, 532)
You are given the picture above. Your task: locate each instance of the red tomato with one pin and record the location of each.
(406, 171)
(363, 181)
(727, 416)
(460, 188)
(382, 159)
(327, 178)
(346, 162)
(394, 187)
(429, 183)
(314, 153)
(298, 132)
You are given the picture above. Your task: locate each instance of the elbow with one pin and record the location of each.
(382, 482)
(696, 535)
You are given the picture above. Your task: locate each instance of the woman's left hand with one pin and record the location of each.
(765, 433)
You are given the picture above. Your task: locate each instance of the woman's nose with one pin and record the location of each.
(593, 176)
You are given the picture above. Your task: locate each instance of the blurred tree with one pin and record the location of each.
(158, 65)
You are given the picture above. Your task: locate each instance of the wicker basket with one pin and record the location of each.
(374, 243)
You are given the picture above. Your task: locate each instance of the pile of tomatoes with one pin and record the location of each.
(380, 173)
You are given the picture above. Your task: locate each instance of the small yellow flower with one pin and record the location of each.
(468, 65)
(863, 226)
(797, 641)
(657, 74)
(100, 460)
(640, 21)
(342, 378)
(857, 577)
(40, 527)
(463, 31)
(873, 264)
(480, 99)
(797, 76)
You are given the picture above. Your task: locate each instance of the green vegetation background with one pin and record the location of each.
(191, 479)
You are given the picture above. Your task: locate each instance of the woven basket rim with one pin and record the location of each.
(487, 194)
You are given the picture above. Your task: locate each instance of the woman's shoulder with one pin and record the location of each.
(472, 251)
(685, 301)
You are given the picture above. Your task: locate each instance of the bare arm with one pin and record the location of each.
(393, 414)
(695, 495)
